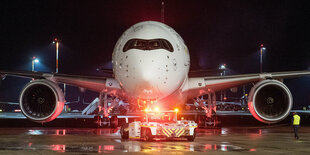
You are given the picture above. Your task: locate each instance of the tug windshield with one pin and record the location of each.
(162, 117)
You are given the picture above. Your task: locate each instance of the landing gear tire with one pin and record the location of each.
(114, 122)
(125, 131)
(97, 121)
(105, 121)
(201, 121)
(192, 138)
(147, 134)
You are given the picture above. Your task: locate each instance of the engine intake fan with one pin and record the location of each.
(41, 100)
(270, 101)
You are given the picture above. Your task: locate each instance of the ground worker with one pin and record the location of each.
(296, 123)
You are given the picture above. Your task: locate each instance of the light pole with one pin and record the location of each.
(262, 48)
(56, 41)
(34, 60)
(223, 67)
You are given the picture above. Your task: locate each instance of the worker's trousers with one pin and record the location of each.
(296, 131)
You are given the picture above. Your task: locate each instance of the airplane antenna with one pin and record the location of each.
(163, 11)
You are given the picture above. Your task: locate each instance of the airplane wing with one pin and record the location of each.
(205, 72)
(93, 83)
(198, 86)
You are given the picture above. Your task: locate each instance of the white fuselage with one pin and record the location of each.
(150, 61)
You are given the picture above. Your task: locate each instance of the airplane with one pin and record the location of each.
(151, 65)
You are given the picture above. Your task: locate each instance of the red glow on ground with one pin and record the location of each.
(60, 132)
(256, 135)
(99, 149)
(108, 147)
(59, 148)
(252, 150)
(208, 147)
(213, 147)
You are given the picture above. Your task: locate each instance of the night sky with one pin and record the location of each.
(215, 32)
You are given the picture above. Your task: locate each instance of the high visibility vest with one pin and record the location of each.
(296, 120)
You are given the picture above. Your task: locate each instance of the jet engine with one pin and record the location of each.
(41, 100)
(270, 101)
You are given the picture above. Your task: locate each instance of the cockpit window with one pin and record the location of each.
(152, 44)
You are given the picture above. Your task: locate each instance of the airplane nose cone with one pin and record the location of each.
(148, 80)
(148, 74)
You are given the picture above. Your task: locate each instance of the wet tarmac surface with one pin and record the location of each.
(233, 140)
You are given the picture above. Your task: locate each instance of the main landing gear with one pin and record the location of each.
(209, 106)
(102, 119)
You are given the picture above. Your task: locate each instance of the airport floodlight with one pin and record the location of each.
(262, 48)
(34, 60)
(223, 66)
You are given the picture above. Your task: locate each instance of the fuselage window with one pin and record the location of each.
(152, 44)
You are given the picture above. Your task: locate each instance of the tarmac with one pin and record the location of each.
(276, 139)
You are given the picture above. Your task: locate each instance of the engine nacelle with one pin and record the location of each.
(270, 101)
(41, 100)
